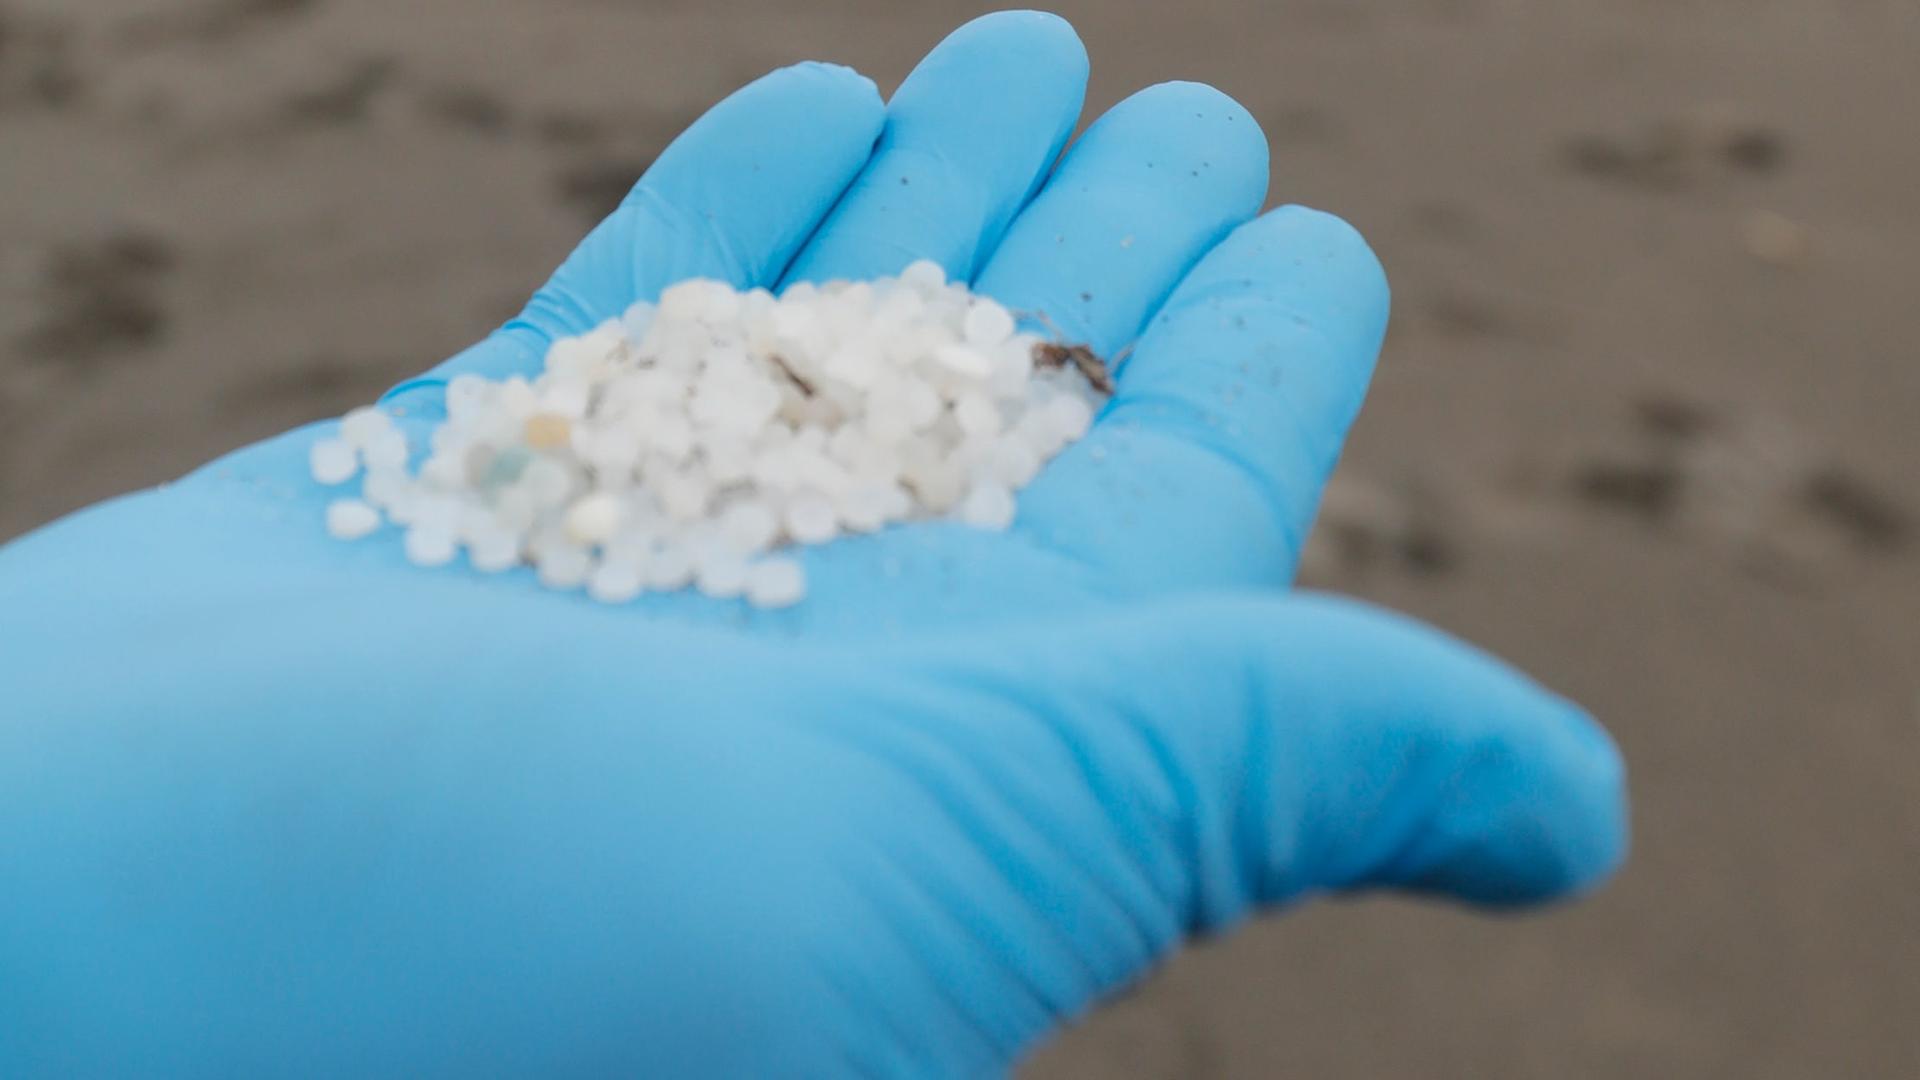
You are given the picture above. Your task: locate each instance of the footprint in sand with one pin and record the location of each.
(100, 300)
(1753, 485)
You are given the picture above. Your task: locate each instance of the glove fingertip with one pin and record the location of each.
(1548, 820)
(858, 91)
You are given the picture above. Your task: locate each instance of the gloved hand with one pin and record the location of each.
(271, 804)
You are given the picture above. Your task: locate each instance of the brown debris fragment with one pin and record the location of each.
(806, 388)
(1049, 354)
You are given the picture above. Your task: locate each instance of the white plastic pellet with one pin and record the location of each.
(987, 324)
(1013, 463)
(564, 566)
(615, 582)
(923, 276)
(444, 471)
(1071, 417)
(670, 568)
(863, 509)
(386, 450)
(430, 547)
(637, 321)
(965, 361)
(362, 426)
(333, 461)
(694, 440)
(811, 518)
(857, 363)
(384, 487)
(351, 519)
(467, 395)
(721, 573)
(977, 415)
(594, 519)
(776, 583)
(494, 550)
(987, 506)
(749, 527)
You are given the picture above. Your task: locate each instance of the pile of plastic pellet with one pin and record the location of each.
(690, 443)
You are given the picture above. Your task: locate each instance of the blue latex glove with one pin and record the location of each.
(273, 804)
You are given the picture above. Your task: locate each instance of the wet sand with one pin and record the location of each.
(1646, 421)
